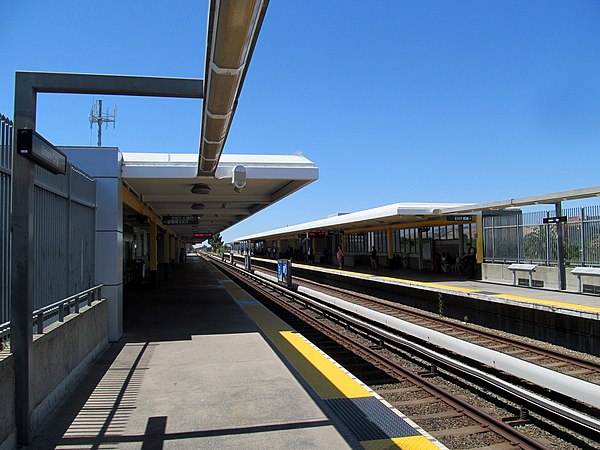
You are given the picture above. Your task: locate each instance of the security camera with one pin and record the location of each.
(238, 178)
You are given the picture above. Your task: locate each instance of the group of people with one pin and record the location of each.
(456, 265)
(444, 263)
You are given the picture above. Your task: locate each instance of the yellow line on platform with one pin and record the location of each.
(405, 443)
(549, 302)
(326, 378)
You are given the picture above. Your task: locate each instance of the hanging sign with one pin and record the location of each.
(33, 146)
(180, 220)
(558, 219)
(459, 218)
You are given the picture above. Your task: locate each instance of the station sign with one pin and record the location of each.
(559, 219)
(459, 218)
(180, 220)
(314, 234)
(203, 235)
(284, 272)
(34, 147)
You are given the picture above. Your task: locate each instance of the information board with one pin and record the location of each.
(459, 218)
(284, 272)
(180, 220)
(559, 219)
(33, 146)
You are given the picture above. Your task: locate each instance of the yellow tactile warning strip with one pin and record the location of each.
(373, 421)
(519, 298)
(553, 303)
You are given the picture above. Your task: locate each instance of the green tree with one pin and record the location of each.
(216, 243)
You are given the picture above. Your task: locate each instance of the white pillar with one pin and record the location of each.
(104, 164)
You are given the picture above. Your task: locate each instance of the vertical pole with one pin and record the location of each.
(390, 244)
(22, 259)
(99, 123)
(479, 238)
(548, 241)
(519, 250)
(420, 246)
(582, 237)
(153, 256)
(166, 252)
(562, 279)
(493, 240)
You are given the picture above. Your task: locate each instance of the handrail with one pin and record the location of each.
(61, 307)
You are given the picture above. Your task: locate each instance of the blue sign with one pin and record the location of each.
(284, 274)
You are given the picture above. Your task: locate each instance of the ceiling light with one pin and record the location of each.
(200, 189)
(198, 206)
(225, 205)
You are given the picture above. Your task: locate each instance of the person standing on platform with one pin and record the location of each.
(470, 260)
(374, 258)
(309, 255)
(340, 257)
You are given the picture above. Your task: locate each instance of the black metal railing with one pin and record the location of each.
(56, 311)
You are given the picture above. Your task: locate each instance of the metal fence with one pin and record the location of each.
(5, 196)
(523, 237)
(64, 232)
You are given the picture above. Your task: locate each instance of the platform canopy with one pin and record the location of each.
(383, 216)
(168, 184)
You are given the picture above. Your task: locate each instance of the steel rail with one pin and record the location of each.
(497, 426)
(586, 425)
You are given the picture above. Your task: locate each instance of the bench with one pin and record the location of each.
(529, 268)
(585, 271)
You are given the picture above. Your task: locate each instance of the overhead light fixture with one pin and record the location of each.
(225, 205)
(201, 189)
(238, 178)
(198, 206)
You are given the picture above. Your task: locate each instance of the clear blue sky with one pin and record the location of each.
(393, 100)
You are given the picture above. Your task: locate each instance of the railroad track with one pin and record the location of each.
(559, 360)
(439, 402)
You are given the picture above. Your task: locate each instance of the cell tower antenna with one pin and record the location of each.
(96, 116)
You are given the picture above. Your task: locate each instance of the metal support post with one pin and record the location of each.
(22, 257)
(562, 278)
(153, 256)
(390, 245)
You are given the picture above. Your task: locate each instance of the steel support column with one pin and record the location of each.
(560, 249)
(27, 85)
(21, 336)
(153, 255)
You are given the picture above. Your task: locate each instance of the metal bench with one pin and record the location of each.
(585, 271)
(529, 268)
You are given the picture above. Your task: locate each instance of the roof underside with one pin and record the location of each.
(164, 183)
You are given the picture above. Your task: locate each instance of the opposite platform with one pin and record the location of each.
(567, 302)
(193, 370)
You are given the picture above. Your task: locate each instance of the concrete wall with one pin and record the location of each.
(8, 432)
(61, 358)
(549, 275)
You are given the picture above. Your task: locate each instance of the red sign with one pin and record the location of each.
(203, 235)
(312, 234)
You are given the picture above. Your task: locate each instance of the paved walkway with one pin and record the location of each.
(192, 371)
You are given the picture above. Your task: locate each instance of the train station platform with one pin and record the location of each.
(203, 365)
(539, 297)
